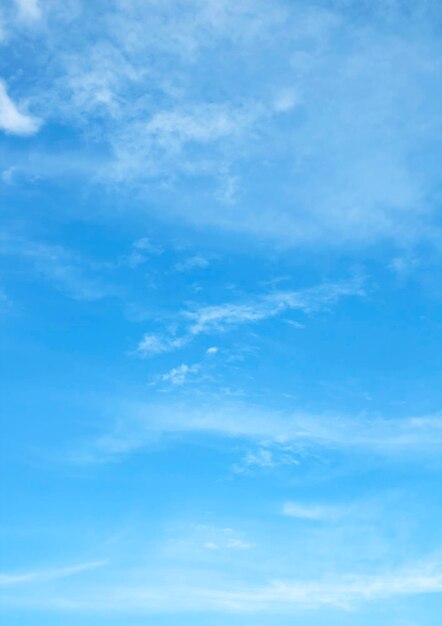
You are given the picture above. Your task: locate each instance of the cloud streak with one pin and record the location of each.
(77, 276)
(282, 432)
(45, 575)
(310, 512)
(340, 592)
(214, 319)
(12, 120)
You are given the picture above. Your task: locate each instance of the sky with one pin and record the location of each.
(220, 306)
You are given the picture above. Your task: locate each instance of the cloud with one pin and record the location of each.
(281, 437)
(304, 149)
(285, 101)
(203, 124)
(267, 458)
(310, 512)
(238, 544)
(211, 538)
(142, 250)
(179, 375)
(3, 34)
(284, 434)
(181, 144)
(152, 344)
(299, 157)
(28, 10)
(194, 262)
(220, 318)
(12, 121)
(5, 302)
(78, 277)
(49, 574)
(338, 591)
(7, 176)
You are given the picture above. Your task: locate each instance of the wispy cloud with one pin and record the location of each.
(79, 277)
(152, 344)
(283, 433)
(44, 575)
(194, 262)
(267, 457)
(203, 124)
(312, 512)
(326, 160)
(28, 10)
(341, 592)
(142, 250)
(12, 120)
(189, 541)
(220, 318)
(180, 375)
(4, 301)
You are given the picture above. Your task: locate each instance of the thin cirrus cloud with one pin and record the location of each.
(213, 319)
(12, 120)
(284, 433)
(341, 592)
(194, 262)
(310, 512)
(344, 145)
(78, 277)
(44, 575)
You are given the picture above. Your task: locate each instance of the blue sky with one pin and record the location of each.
(220, 301)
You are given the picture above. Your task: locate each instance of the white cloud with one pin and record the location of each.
(4, 300)
(284, 434)
(205, 124)
(274, 455)
(142, 250)
(179, 375)
(194, 262)
(7, 176)
(285, 101)
(152, 344)
(188, 541)
(338, 591)
(224, 539)
(338, 180)
(312, 136)
(181, 143)
(219, 318)
(239, 544)
(49, 574)
(13, 121)
(212, 350)
(223, 317)
(310, 511)
(78, 277)
(28, 10)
